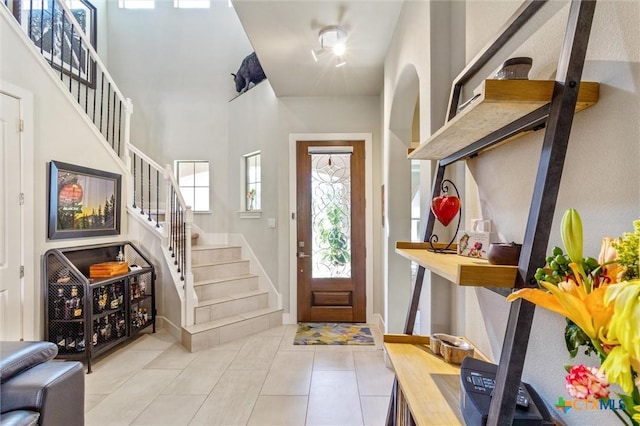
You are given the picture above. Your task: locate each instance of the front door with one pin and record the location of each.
(11, 282)
(331, 231)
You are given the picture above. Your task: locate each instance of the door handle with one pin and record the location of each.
(301, 254)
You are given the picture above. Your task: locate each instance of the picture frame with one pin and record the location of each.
(55, 37)
(83, 202)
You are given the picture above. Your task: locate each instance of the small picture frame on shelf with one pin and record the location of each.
(83, 202)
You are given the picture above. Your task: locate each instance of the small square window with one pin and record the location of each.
(193, 180)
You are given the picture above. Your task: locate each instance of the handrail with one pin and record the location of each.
(87, 83)
(91, 49)
(56, 33)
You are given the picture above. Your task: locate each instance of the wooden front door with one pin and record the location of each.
(331, 231)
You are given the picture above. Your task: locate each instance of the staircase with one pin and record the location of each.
(230, 304)
(220, 299)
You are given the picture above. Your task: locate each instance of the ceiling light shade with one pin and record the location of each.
(332, 38)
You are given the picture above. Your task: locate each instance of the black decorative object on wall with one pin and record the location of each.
(250, 71)
(83, 202)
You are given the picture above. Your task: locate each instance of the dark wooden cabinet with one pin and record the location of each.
(87, 316)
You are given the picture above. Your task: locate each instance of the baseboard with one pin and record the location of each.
(378, 321)
(288, 319)
(174, 330)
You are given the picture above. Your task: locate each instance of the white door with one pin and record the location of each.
(11, 242)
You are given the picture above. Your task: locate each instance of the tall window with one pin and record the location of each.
(193, 180)
(253, 184)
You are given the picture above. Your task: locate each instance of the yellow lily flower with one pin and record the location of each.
(624, 327)
(617, 367)
(586, 310)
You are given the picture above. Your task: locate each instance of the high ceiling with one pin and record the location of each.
(283, 33)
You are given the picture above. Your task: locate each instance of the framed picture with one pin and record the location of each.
(83, 202)
(58, 41)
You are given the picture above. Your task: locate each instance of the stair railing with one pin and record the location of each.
(167, 211)
(53, 28)
(179, 240)
(55, 31)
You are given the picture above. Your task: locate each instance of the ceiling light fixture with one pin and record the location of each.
(332, 38)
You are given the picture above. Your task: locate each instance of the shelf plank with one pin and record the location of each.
(500, 103)
(464, 271)
(431, 386)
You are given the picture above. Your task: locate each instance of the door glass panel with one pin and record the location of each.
(331, 215)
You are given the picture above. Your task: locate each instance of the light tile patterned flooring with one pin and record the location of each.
(260, 380)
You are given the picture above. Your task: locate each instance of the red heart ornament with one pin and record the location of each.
(445, 208)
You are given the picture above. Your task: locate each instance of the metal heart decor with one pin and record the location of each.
(445, 208)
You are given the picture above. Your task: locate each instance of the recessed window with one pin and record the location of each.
(192, 4)
(136, 4)
(193, 180)
(253, 181)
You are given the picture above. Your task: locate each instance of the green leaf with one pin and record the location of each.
(574, 338)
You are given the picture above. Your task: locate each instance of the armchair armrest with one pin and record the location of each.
(54, 389)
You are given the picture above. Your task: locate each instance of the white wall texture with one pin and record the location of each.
(59, 133)
(176, 65)
(600, 179)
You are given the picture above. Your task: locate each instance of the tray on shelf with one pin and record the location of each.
(108, 269)
(500, 102)
(464, 271)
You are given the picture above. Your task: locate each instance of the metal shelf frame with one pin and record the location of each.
(556, 118)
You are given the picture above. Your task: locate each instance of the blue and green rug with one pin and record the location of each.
(333, 334)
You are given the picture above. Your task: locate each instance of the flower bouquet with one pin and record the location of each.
(251, 195)
(600, 298)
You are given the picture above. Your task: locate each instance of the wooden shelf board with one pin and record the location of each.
(500, 103)
(430, 385)
(461, 270)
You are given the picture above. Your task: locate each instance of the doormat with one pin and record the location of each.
(333, 334)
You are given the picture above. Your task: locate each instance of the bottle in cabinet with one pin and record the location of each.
(59, 304)
(114, 301)
(73, 305)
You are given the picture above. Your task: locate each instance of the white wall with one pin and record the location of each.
(175, 65)
(426, 41)
(355, 114)
(185, 108)
(59, 133)
(253, 124)
(601, 177)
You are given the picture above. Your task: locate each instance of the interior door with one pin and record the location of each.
(331, 231)
(11, 282)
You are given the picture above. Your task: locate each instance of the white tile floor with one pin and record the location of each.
(260, 380)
